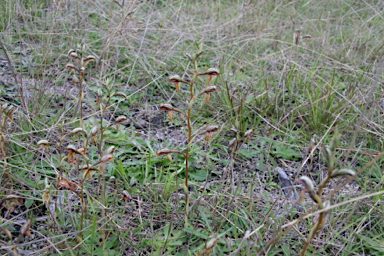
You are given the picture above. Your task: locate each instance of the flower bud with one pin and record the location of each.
(75, 80)
(94, 130)
(210, 89)
(79, 130)
(110, 150)
(307, 183)
(71, 51)
(88, 59)
(211, 242)
(71, 148)
(99, 93)
(42, 143)
(165, 151)
(120, 94)
(176, 80)
(126, 195)
(107, 158)
(166, 106)
(73, 55)
(213, 72)
(82, 72)
(342, 172)
(70, 66)
(121, 119)
(211, 129)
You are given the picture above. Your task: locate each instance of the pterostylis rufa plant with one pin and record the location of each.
(208, 131)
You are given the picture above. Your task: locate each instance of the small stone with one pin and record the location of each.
(141, 124)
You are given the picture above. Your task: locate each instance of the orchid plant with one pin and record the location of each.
(207, 131)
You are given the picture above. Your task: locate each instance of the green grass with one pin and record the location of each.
(288, 94)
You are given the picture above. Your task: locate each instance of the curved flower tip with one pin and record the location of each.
(79, 130)
(120, 94)
(90, 58)
(307, 183)
(111, 150)
(70, 65)
(343, 172)
(176, 80)
(126, 195)
(42, 143)
(71, 148)
(71, 51)
(211, 242)
(121, 119)
(74, 55)
(248, 134)
(207, 92)
(107, 158)
(211, 129)
(166, 106)
(210, 89)
(165, 151)
(94, 130)
(213, 72)
(82, 151)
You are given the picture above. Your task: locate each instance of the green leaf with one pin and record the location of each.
(248, 153)
(198, 175)
(28, 203)
(281, 151)
(375, 244)
(196, 233)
